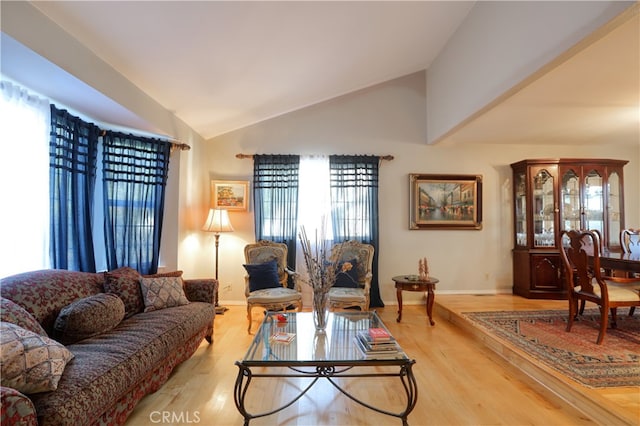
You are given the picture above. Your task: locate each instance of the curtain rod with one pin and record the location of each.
(381, 157)
(174, 142)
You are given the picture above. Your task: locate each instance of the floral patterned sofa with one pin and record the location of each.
(100, 342)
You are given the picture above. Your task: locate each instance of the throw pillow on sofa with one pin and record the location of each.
(29, 362)
(125, 282)
(263, 275)
(88, 317)
(163, 292)
(16, 314)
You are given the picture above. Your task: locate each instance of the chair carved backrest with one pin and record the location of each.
(575, 257)
(630, 240)
(363, 253)
(265, 251)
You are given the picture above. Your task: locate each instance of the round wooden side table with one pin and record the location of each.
(413, 283)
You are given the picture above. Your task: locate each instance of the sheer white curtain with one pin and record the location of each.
(24, 180)
(314, 208)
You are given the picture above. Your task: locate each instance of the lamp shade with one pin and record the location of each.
(218, 221)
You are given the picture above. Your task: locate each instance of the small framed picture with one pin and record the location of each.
(230, 194)
(445, 201)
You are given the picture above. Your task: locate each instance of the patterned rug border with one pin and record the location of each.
(593, 372)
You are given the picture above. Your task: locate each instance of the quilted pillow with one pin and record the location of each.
(88, 317)
(125, 282)
(16, 314)
(347, 274)
(163, 292)
(263, 275)
(29, 362)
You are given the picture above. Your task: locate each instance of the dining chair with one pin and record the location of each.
(353, 282)
(580, 255)
(630, 243)
(267, 279)
(630, 240)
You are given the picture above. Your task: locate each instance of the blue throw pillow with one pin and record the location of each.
(263, 275)
(349, 277)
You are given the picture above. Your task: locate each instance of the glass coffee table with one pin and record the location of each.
(332, 354)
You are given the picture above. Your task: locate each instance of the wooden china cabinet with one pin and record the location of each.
(553, 195)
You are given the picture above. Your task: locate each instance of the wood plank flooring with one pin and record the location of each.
(461, 380)
(605, 406)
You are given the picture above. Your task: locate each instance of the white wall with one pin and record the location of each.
(390, 119)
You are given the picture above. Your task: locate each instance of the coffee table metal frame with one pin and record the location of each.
(337, 360)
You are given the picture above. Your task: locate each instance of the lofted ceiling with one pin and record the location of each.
(220, 66)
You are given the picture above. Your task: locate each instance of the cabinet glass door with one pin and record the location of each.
(614, 208)
(520, 187)
(543, 213)
(594, 201)
(570, 201)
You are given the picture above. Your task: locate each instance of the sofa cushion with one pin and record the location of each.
(347, 274)
(30, 362)
(15, 314)
(43, 293)
(141, 349)
(164, 292)
(125, 282)
(263, 275)
(88, 317)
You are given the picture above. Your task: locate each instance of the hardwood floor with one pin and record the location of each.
(461, 380)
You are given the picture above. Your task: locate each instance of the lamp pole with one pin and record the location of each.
(217, 235)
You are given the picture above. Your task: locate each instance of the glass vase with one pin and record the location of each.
(320, 310)
(320, 346)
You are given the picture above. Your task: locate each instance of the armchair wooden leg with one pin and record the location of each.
(573, 306)
(604, 319)
(614, 317)
(582, 303)
(249, 319)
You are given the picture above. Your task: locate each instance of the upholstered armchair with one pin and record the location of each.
(267, 278)
(353, 281)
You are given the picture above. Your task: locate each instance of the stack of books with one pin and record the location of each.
(377, 343)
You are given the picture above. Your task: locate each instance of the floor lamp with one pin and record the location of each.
(217, 222)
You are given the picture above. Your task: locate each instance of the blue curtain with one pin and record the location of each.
(135, 171)
(275, 194)
(73, 151)
(354, 206)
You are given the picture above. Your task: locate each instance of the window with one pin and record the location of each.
(314, 210)
(55, 214)
(24, 177)
(334, 198)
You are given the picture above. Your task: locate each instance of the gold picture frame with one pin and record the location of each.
(232, 195)
(445, 201)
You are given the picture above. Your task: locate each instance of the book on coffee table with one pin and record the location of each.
(282, 337)
(379, 334)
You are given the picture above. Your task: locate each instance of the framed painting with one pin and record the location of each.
(445, 201)
(230, 194)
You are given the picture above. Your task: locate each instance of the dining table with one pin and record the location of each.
(629, 262)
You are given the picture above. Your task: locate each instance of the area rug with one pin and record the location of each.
(542, 335)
